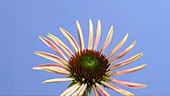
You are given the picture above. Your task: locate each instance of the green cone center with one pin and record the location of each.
(89, 62)
(88, 66)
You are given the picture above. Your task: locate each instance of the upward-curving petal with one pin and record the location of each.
(117, 89)
(107, 40)
(98, 33)
(60, 44)
(118, 46)
(80, 34)
(123, 53)
(52, 57)
(127, 84)
(126, 62)
(53, 46)
(127, 71)
(90, 45)
(70, 39)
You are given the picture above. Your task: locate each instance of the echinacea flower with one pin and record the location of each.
(88, 69)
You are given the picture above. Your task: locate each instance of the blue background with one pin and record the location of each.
(22, 21)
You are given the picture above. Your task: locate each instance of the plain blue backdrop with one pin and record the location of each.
(22, 21)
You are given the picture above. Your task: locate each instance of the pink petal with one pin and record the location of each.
(83, 89)
(96, 92)
(80, 34)
(90, 35)
(78, 91)
(98, 33)
(69, 89)
(70, 39)
(50, 65)
(108, 39)
(52, 57)
(102, 90)
(127, 84)
(60, 44)
(126, 62)
(117, 89)
(127, 71)
(57, 80)
(53, 46)
(123, 53)
(57, 70)
(118, 46)
(72, 91)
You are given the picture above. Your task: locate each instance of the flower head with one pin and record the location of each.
(88, 69)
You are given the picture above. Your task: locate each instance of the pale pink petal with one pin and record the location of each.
(52, 57)
(83, 89)
(60, 44)
(80, 34)
(108, 39)
(53, 46)
(57, 80)
(117, 89)
(50, 65)
(78, 91)
(72, 91)
(96, 92)
(70, 39)
(127, 84)
(98, 33)
(69, 89)
(126, 62)
(118, 46)
(123, 53)
(102, 90)
(57, 70)
(90, 44)
(127, 71)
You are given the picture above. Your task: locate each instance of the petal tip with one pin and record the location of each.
(134, 42)
(35, 68)
(127, 34)
(141, 53)
(90, 20)
(49, 34)
(111, 27)
(37, 52)
(44, 82)
(60, 28)
(99, 22)
(77, 22)
(145, 85)
(41, 37)
(144, 65)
